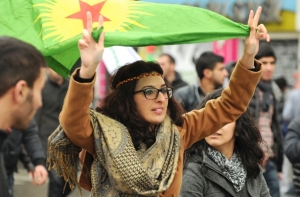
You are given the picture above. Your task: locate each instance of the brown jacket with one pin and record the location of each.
(75, 118)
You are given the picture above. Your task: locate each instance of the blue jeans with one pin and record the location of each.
(271, 177)
(10, 183)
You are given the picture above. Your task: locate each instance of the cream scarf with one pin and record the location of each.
(118, 169)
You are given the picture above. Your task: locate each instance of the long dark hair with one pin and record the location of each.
(248, 142)
(119, 104)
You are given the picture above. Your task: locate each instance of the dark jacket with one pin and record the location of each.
(292, 141)
(178, 82)
(202, 177)
(292, 150)
(3, 184)
(47, 116)
(189, 97)
(255, 108)
(14, 150)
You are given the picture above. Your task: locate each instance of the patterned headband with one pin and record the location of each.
(139, 77)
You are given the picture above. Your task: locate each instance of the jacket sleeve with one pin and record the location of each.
(32, 144)
(188, 97)
(192, 182)
(25, 159)
(292, 141)
(226, 109)
(75, 116)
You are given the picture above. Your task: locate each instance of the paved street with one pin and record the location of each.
(23, 187)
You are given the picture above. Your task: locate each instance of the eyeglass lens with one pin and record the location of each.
(152, 93)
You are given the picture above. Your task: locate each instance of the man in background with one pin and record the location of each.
(22, 78)
(47, 121)
(211, 75)
(264, 106)
(173, 78)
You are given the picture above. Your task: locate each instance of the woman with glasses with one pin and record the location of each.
(226, 163)
(133, 143)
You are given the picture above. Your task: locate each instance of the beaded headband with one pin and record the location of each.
(139, 77)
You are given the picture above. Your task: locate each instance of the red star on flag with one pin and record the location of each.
(94, 9)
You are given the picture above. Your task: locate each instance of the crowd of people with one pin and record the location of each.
(153, 134)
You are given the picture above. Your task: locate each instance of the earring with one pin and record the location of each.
(236, 134)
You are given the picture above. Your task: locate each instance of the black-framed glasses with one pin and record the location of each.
(152, 93)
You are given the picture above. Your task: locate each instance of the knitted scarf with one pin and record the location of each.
(118, 169)
(233, 169)
(267, 101)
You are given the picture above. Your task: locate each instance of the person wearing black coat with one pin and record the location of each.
(3, 185)
(292, 150)
(22, 77)
(264, 107)
(47, 121)
(26, 146)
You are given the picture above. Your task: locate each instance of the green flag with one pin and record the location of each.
(54, 26)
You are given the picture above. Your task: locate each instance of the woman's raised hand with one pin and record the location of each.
(90, 51)
(257, 32)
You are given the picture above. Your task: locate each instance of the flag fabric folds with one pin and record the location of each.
(54, 26)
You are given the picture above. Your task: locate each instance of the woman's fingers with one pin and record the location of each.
(250, 22)
(262, 29)
(268, 38)
(250, 18)
(262, 33)
(253, 19)
(256, 16)
(101, 39)
(83, 43)
(100, 21)
(86, 36)
(257, 31)
(89, 22)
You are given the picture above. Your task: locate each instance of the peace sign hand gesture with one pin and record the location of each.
(257, 32)
(90, 51)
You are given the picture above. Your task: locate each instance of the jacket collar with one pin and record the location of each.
(209, 168)
(206, 169)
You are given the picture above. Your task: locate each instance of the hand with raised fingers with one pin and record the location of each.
(90, 51)
(257, 32)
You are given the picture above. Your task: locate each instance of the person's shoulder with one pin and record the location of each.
(194, 156)
(193, 165)
(178, 75)
(184, 89)
(49, 85)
